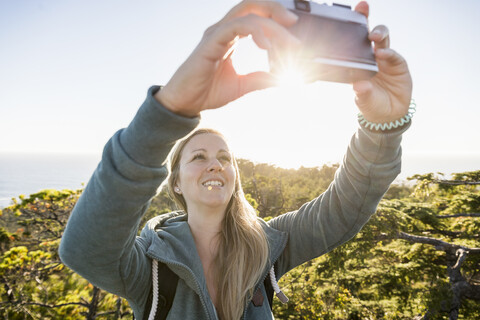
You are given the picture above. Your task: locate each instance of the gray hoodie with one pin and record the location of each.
(101, 244)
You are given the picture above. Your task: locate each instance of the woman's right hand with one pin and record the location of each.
(207, 79)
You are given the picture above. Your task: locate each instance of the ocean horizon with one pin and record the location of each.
(28, 173)
(25, 173)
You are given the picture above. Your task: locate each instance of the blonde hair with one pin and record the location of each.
(243, 250)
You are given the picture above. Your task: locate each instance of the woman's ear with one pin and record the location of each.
(177, 190)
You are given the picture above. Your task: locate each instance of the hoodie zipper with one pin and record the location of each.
(191, 273)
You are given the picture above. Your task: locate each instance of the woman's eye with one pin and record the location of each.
(198, 157)
(225, 159)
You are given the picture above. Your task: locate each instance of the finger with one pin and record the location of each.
(389, 56)
(363, 8)
(266, 9)
(362, 88)
(256, 81)
(380, 36)
(262, 30)
(363, 95)
(366, 98)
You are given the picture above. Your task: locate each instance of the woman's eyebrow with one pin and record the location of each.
(204, 150)
(196, 150)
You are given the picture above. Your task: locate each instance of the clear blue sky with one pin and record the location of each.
(74, 72)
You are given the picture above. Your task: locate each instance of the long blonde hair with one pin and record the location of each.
(243, 250)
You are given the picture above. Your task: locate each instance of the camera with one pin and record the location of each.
(334, 44)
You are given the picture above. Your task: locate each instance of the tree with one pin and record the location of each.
(34, 282)
(418, 257)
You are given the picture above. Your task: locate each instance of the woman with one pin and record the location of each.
(220, 251)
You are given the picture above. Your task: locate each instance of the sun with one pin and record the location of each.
(291, 77)
(247, 58)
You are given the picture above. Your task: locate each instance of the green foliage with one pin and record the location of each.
(380, 275)
(383, 273)
(35, 284)
(274, 190)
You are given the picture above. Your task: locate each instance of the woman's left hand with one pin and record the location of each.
(385, 97)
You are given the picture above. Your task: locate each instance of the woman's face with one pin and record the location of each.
(206, 176)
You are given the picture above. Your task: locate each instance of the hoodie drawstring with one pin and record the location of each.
(283, 298)
(153, 311)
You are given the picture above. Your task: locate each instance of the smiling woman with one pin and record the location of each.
(203, 175)
(205, 184)
(225, 257)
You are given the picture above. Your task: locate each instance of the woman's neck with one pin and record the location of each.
(205, 229)
(206, 234)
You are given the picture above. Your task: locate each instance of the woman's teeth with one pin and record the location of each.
(212, 183)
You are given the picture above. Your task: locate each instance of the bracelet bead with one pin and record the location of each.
(389, 125)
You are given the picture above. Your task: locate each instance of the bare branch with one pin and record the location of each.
(476, 215)
(102, 314)
(438, 244)
(456, 182)
(453, 234)
(462, 255)
(45, 305)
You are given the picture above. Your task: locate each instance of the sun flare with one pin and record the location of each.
(309, 109)
(248, 58)
(291, 77)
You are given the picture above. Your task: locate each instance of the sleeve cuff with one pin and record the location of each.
(153, 131)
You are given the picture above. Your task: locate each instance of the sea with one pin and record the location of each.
(24, 174)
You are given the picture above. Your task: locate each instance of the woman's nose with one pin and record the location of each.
(215, 165)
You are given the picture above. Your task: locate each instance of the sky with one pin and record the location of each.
(72, 73)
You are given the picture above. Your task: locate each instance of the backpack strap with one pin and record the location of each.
(269, 290)
(164, 282)
(164, 286)
(257, 298)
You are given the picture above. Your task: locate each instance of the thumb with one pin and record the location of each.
(256, 81)
(363, 95)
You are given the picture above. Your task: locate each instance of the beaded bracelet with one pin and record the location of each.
(391, 125)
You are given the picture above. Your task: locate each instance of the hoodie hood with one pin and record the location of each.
(171, 241)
